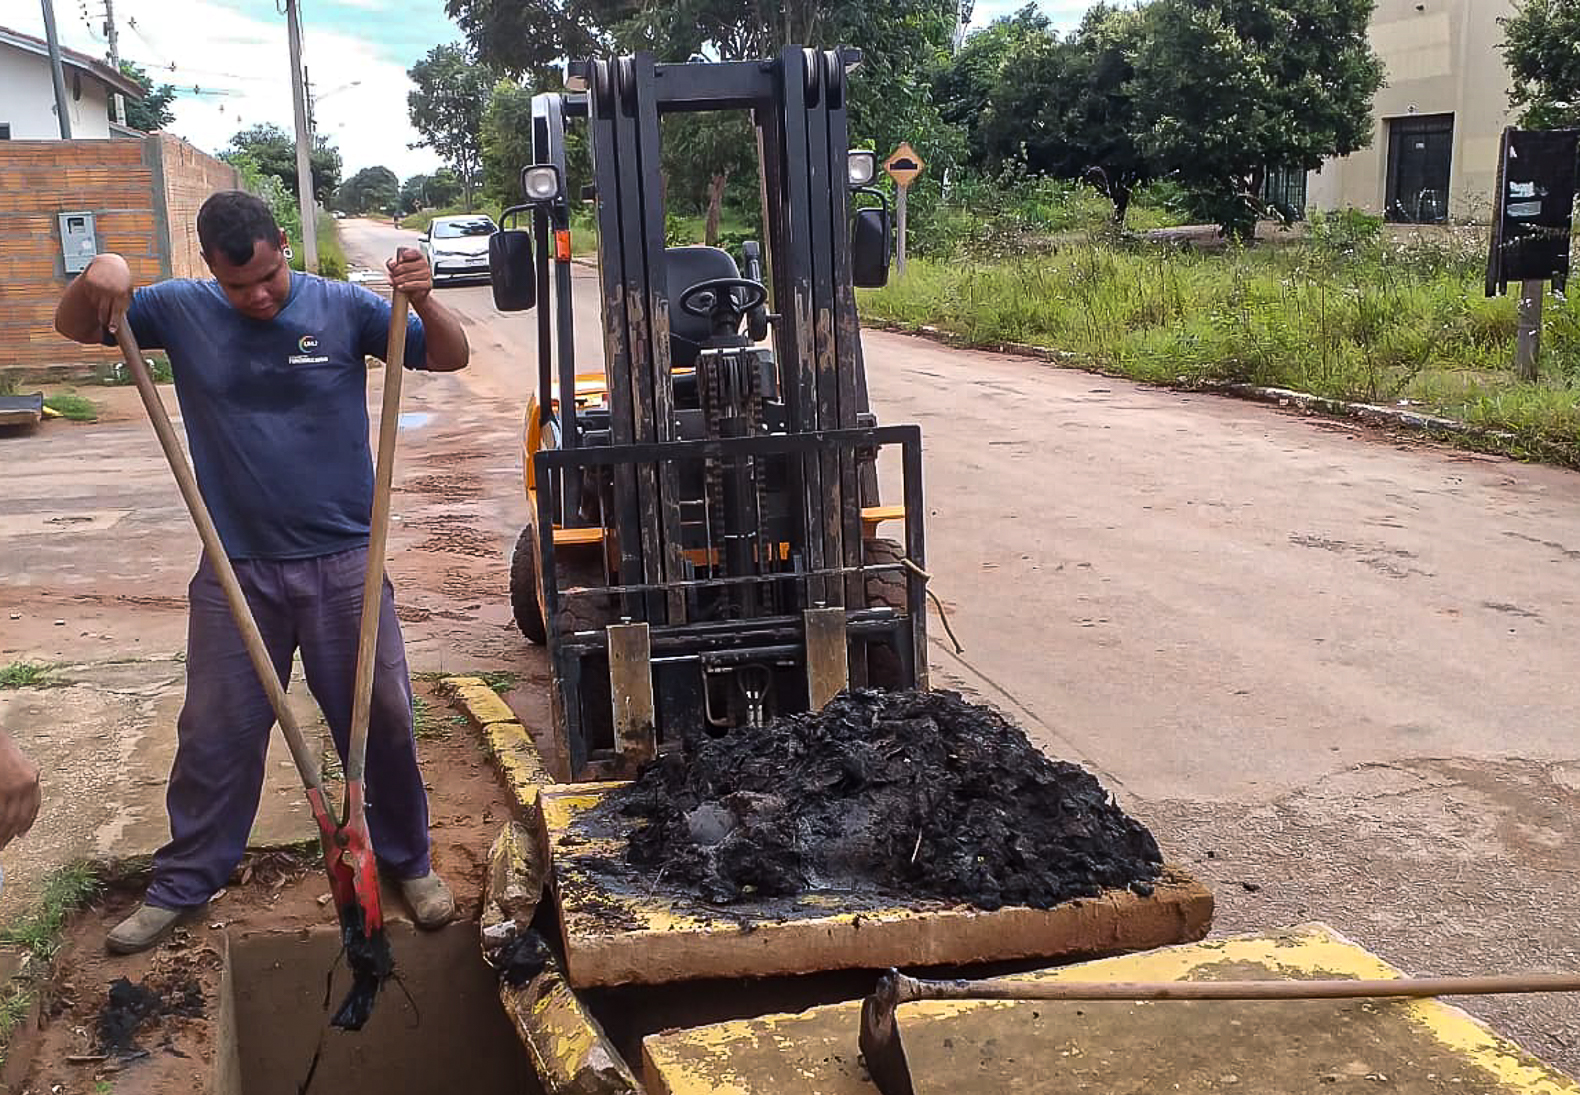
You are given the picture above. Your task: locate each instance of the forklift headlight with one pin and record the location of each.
(862, 167)
(541, 184)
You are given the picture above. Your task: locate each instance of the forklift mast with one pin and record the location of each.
(733, 486)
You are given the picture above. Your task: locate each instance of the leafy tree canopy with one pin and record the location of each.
(273, 151)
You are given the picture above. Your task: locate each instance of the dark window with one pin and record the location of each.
(1285, 190)
(1420, 151)
(5, 131)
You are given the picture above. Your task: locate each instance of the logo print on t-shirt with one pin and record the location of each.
(308, 345)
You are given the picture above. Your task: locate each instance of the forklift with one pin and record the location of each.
(703, 548)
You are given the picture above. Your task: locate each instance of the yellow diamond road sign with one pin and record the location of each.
(904, 166)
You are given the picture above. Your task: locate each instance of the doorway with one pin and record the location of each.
(1420, 153)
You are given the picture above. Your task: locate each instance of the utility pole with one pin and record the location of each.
(62, 111)
(304, 140)
(114, 37)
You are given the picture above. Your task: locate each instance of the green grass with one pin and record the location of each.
(14, 1008)
(331, 254)
(499, 680)
(67, 890)
(1380, 323)
(8, 384)
(39, 935)
(23, 675)
(427, 724)
(73, 407)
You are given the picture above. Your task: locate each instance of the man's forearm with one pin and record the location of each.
(447, 346)
(83, 311)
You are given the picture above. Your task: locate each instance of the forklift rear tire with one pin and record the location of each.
(524, 588)
(887, 589)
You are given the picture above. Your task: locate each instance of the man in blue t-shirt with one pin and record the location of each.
(271, 376)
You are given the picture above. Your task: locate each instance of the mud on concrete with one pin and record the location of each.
(921, 794)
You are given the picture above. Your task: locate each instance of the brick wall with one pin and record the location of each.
(40, 180)
(189, 178)
(144, 195)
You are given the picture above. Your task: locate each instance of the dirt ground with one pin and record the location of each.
(272, 890)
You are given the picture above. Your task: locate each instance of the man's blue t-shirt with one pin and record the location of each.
(276, 411)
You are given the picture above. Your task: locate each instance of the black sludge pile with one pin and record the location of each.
(921, 794)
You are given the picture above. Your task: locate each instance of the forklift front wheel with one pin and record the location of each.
(524, 587)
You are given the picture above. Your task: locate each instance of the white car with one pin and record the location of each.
(457, 247)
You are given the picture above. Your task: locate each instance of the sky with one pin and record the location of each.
(232, 67)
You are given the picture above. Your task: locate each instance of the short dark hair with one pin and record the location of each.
(232, 222)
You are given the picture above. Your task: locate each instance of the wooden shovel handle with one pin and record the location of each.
(378, 538)
(306, 762)
(910, 988)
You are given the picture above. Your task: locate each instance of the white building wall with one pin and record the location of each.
(1439, 57)
(27, 99)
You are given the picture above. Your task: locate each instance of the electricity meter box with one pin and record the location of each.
(1534, 208)
(78, 241)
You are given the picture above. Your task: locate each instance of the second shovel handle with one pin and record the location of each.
(911, 988)
(378, 538)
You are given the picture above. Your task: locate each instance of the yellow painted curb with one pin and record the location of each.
(508, 741)
(525, 773)
(516, 876)
(569, 1050)
(479, 702)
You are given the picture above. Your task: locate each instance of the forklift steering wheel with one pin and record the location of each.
(692, 301)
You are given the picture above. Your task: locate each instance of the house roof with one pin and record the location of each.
(71, 59)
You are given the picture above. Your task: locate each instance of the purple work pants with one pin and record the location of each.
(223, 732)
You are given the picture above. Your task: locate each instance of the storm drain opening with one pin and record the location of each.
(451, 1033)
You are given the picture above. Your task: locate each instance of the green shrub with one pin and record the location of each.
(1345, 231)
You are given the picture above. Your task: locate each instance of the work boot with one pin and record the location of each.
(144, 928)
(432, 905)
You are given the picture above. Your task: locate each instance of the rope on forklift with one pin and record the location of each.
(943, 615)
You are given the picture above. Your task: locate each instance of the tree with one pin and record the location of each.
(507, 140)
(434, 191)
(371, 190)
(891, 98)
(447, 107)
(1066, 108)
(1542, 49)
(964, 85)
(153, 112)
(702, 154)
(274, 152)
(1225, 89)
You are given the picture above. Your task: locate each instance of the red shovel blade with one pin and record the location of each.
(354, 885)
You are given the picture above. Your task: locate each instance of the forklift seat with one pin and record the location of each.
(683, 268)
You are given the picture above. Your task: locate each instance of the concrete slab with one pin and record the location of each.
(1408, 1047)
(105, 739)
(630, 929)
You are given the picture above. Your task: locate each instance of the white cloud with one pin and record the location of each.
(245, 58)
